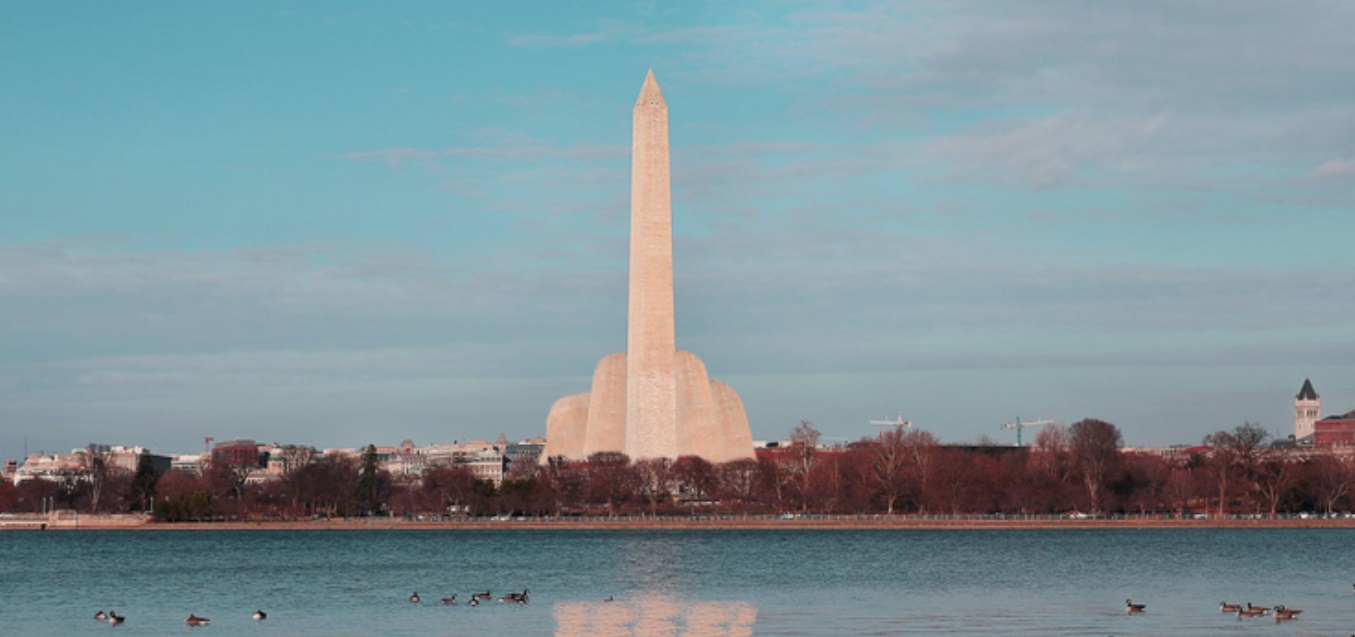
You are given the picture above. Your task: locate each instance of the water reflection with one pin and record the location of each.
(654, 617)
(656, 565)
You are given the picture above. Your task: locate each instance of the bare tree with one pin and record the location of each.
(695, 476)
(922, 448)
(1095, 445)
(1332, 479)
(1180, 488)
(654, 477)
(610, 479)
(451, 487)
(1050, 453)
(96, 474)
(960, 481)
(1233, 457)
(1275, 480)
(565, 482)
(1146, 483)
(804, 446)
(224, 484)
(738, 480)
(889, 466)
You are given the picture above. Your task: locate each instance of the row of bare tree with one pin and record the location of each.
(1075, 468)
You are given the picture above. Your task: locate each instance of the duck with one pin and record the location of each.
(449, 600)
(1251, 611)
(474, 601)
(194, 620)
(609, 599)
(414, 598)
(114, 618)
(260, 615)
(484, 597)
(520, 598)
(1131, 608)
(1225, 607)
(101, 616)
(1285, 613)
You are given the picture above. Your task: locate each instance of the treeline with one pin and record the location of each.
(1076, 468)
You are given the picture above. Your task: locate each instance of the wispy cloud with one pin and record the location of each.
(1197, 97)
(1338, 167)
(394, 157)
(541, 40)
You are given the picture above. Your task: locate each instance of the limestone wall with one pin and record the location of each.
(651, 393)
(698, 426)
(736, 434)
(566, 427)
(607, 407)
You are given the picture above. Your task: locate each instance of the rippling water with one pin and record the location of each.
(793, 582)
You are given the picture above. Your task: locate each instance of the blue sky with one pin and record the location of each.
(340, 223)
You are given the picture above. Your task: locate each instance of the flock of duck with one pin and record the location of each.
(114, 619)
(476, 598)
(1243, 611)
(1248, 610)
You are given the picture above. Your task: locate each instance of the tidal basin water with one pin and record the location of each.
(681, 582)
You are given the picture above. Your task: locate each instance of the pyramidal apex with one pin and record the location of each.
(650, 93)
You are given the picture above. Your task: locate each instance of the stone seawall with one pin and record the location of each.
(135, 522)
(73, 520)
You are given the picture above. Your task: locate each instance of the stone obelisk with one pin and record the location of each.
(651, 389)
(651, 401)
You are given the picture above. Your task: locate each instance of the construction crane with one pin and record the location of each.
(897, 421)
(1020, 424)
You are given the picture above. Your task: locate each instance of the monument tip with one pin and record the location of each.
(650, 91)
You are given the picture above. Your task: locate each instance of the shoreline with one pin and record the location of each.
(142, 523)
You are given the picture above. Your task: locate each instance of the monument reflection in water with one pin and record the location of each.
(658, 573)
(654, 617)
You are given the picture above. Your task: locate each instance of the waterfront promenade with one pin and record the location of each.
(65, 520)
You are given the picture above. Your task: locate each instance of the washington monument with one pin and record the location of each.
(652, 401)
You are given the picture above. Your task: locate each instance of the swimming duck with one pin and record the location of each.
(1251, 611)
(484, 597)
(260, 615)
(449, 600)
(520, 598)
(1225, 607)
(1285, 613)
(114, 618)
(414, 598)
(474, 601)
(194, 620)
(1131, 608)
(101, 616)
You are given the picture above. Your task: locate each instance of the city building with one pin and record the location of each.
(525, 454)
(1335, 431)
(1312, 430)
(64, 467)
(239, 453)
(189, 463)
(1307, 411)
